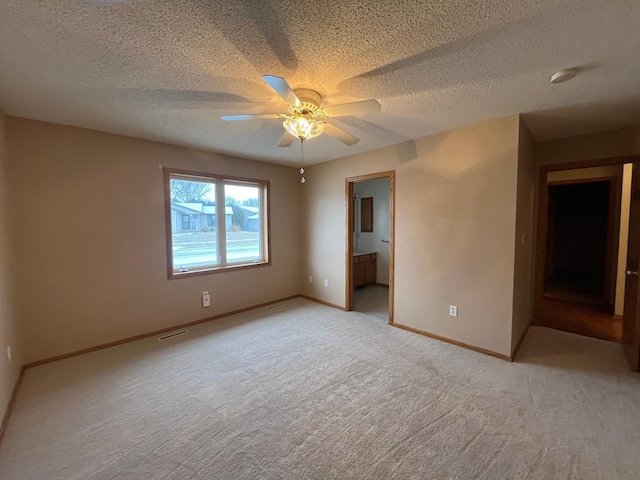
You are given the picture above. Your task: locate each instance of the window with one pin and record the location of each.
(215, 223)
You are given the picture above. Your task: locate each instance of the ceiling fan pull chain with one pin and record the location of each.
(302, 180)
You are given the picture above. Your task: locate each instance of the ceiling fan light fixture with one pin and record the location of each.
(302, 126)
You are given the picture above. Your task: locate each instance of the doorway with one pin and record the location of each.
(369, 201)
(582, 240)
(583, 233)
(582, 265)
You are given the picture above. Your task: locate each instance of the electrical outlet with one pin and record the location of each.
(326, 282)
(453, 310)
(206, 299)
(310, 279)
(9, 353)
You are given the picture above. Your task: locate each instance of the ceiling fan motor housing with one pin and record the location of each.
(309, 100)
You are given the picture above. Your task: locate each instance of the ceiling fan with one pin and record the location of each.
(306, 117)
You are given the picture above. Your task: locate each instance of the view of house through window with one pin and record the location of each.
(215, 223)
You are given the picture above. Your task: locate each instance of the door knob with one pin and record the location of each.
(632, 272)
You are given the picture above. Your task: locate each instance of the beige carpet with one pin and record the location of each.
(306, 391)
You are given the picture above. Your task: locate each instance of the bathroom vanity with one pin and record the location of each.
(364, 268)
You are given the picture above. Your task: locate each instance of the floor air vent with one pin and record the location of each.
(171, 335)
(277, 305)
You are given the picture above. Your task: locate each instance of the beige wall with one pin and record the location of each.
(88, 209)
(523, 269)
(455, 230)
(614, 143)
(9, 334)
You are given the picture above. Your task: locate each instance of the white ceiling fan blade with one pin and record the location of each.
(354, 108)
(340, 134)
(286, 140)
(282, 88)
(230, 118)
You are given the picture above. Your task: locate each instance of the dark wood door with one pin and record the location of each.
(631, 320)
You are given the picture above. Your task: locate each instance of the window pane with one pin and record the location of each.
(193, 226)
(243, 221)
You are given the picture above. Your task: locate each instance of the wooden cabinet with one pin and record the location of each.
(358, 273)
(364, 269)
(370, 271)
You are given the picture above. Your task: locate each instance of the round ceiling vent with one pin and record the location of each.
(563, 75)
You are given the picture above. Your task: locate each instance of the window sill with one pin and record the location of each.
(174, 275)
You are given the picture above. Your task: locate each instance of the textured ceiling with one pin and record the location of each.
(167, 70)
